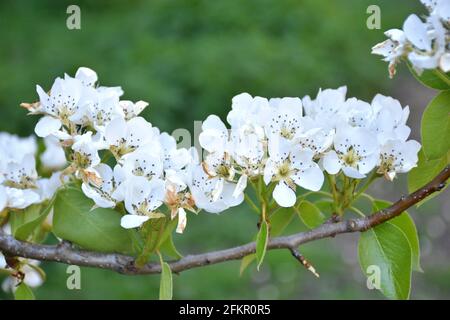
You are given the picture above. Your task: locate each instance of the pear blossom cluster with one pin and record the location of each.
(124, 161)
(425, 43)
(146, 172)
(20, 185)
(291, 142)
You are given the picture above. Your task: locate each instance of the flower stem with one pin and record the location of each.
(367, 184)
(332, 182)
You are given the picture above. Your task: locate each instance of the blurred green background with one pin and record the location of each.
(188, 59)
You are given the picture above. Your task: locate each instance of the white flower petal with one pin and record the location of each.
(240, 186)
(444, 62)
(182, 220)
(115, 131)
(46, 126)
(130, 221)
(311, 179)
(284, 195)
(416, 32)
(331, 162)
(87, 76)
(352, 173)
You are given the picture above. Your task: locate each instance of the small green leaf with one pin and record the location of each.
(168, 248)
(98, 229)
(425, 171)
(25, 222)
(279, 220)
(387, 248)
(23, 292)
(165, 286)
(405, 223)
(435, 127)
(261, 243)
(245, 262)
(433, 79)
(310, 214)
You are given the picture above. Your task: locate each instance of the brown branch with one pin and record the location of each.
(65, 253)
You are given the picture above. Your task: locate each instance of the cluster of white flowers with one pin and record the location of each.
(287, 142)
(424, 43)
(20, 185)
(148, 170)
(291, 141)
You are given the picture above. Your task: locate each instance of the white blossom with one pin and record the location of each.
(397, 156)
(248, 110)
(355, 151)
(88, 77)
(389, 122)
(178, 197)
(326, 108)
(423, 42)
(206, 194)
(285, 118)
(103, 192)
(132, 109)
(214, 136)
(141, 201)
(173, 158)
(124, 137)
(288, 168)
(85, 151)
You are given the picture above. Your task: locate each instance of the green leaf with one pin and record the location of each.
(279, 220)
(406, 224)
(310, 214)
(435, 127)
(23, 292)
(425, 171)
(261, 243)
(433, 79)
(165, 286)
(168, 248)
(98, 229)
(25, 222)
(387, 248)
(325, 206)
(245, 262)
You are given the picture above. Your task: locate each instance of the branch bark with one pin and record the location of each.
(66, 253)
